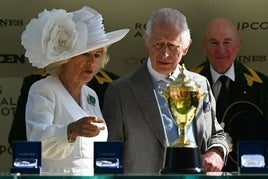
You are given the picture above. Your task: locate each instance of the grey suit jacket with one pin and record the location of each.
(132, 116)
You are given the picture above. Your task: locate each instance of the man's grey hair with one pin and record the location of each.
(170, 16)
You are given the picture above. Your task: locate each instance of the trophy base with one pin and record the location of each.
(182, 160)
(182, 171)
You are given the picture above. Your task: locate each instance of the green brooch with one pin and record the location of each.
(91, 100)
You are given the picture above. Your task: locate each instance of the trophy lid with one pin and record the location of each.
(183, 81)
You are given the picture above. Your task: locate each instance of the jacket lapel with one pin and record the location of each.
(142, 88)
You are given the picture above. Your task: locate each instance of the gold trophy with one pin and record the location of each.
(182, 97)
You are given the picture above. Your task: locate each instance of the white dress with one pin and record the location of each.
(50, 108)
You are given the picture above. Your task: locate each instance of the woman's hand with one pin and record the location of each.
(87, 127)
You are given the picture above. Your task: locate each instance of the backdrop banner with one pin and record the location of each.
(9, 91)
(250, 18)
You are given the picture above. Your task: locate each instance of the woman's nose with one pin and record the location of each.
(91, 59)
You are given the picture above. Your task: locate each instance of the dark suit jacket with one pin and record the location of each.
(248, 100)
(132, 116)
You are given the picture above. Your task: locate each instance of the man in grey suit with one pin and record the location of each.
(131, 107)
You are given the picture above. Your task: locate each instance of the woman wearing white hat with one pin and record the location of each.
(61, 110)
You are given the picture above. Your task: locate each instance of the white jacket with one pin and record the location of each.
(50, 108)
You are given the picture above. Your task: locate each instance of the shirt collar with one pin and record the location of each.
(230, 74)
(159, 76)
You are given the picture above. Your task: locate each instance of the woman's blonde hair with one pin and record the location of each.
(55, 68)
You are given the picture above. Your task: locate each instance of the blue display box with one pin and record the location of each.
(252, 157)
(108, 157)
(27, 157)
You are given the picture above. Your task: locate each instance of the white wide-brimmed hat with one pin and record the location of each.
(57, 35)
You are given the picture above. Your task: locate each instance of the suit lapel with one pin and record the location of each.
(143, 89)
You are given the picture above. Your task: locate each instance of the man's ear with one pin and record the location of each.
(185, 50)
(239, 41)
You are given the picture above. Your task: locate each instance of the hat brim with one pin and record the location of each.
(238, 107)
(241, 115)
(111, 37)
(244, 121)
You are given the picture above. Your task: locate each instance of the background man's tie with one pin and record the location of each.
(221, 97)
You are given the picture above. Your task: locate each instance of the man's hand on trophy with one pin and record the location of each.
(213, 160)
